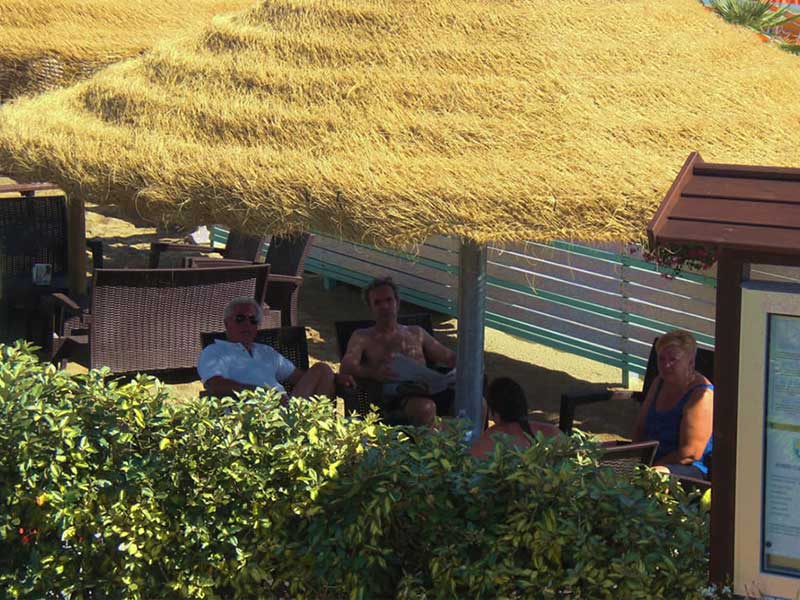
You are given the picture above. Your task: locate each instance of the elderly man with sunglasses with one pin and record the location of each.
(239, 363)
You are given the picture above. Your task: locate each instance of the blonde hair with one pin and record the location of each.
(680, 338)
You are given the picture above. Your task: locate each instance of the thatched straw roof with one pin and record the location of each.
(50, 43)
(392, 121)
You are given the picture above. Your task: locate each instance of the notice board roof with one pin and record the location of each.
(738, 207)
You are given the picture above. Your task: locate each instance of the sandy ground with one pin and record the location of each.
(545, 373)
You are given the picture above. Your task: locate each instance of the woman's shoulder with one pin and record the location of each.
(700, 388)
(700, 380)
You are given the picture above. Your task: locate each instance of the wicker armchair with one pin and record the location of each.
(240, 246)
(33, 229)
(286, 257)
(368, 391)
(704, 363)
(150, 320)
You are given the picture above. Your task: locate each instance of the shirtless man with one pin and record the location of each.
(370, 351)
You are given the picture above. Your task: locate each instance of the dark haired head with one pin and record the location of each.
(380, 282)
(506, 399)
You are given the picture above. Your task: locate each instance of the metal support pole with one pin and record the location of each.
(471, 317)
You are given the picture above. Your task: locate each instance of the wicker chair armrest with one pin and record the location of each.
(295, 280)
(570, 401)
(156, 248)
(65, 302)
(180, 247)
(96, 247)
(194, 261)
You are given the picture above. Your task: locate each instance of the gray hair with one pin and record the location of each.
(239, 302)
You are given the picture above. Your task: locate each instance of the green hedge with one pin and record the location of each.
(116, 491)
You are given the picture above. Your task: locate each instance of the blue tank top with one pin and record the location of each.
(665, 426)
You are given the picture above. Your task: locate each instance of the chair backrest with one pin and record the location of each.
(624, 458)
(287, 255)
(33, 230)
(150, 320)
(291, 342)
(345, 329)
(704, 363)
(244, 246)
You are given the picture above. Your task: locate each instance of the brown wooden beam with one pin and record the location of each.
(726, 391)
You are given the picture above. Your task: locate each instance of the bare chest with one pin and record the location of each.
(382, 347)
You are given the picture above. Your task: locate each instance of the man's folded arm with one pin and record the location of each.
(220, 386)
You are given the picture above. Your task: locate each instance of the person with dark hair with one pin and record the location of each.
(372, 351)
(508, 408)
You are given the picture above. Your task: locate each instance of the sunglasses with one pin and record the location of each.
(243, 318)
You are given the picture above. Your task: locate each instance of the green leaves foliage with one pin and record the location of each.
(111, 490)
(758, 15)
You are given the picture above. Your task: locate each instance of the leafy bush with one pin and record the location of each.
(112, 491)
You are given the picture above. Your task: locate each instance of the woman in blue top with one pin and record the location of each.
(678, 409)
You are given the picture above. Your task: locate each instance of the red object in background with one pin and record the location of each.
(27, 536)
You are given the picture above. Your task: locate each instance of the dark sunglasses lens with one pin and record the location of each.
(242, 318)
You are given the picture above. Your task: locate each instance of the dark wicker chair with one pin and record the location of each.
(150, 320)
(368, 391)
(33, 229)
(624, 459)
(703, 363)
(240, 246)
(286, 257)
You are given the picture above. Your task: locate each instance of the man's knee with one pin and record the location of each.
(421, 410)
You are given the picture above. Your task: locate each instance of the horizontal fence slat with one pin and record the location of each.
(568, 322)
(412, 295)
(647, 331)
(537, 285)
(677, 319)
(428, 257)
(537, 256)
(668, 287)
(534, 268)
(434, 285)
(638, 296)
(554, 339)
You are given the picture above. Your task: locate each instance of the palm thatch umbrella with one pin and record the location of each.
(388, 122)
(50, 43)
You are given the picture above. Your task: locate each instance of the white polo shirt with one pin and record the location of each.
(264, 368)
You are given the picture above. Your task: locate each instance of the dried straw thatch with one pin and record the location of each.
(51, 43)
(390, 121)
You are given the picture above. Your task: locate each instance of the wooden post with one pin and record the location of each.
(726, 398)
(471, 322)
(76, 239)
